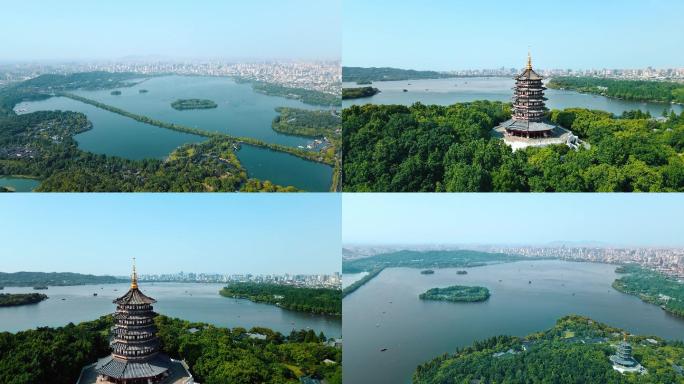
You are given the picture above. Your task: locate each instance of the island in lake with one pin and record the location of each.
(324, 301)
(576, 350)
(183, 104)
(457, 294)
(427, 272)
(357, 93)
(116, 93)
(16, 299)
(461, 272)
(143, 91)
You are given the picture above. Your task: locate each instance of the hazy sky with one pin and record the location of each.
(225, 233)
(524, 218)
(87, 29)
(463, 34)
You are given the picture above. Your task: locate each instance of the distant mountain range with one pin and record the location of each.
(30, 279)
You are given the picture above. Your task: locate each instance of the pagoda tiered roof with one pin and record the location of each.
(134, 297)
(122, 369)
(529, 74)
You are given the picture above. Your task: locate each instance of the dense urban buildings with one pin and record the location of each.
(323, 76)
(298, 280)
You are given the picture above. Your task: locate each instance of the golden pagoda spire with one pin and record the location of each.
(529, 59)
(134, 277)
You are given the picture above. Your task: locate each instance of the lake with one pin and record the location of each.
(188, 301)
(19, 184)
(240, 112)
(386, 313)
(459, 90)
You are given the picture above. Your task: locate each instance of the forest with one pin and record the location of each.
(304, 95)
(361, 75)
(421, 148)
(426, 259)
(15, 299)
(32, 279)
(325, 301)
(652, 287)
(635, 90)
(456, 294)
(360, 92)
(575, 350)
(215, 355)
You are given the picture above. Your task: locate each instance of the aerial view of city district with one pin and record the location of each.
(152, 97)
(513, 288)
(245, 191)
(260, 304)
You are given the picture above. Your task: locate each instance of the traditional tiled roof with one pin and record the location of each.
(123, 369)
(529, 126)
(134, 296)
(529, 74)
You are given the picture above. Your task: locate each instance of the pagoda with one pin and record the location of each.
(135, 357)
(623, 361)
(529, 110)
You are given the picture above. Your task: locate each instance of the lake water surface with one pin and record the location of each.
(19, 184)
(459, 90)
(193, 302)
(386, 313)
(240, 112)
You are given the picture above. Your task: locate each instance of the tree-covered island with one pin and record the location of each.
(576, 350)
(16, 299)
(184, 104)
(215, 355)
(116, 93)
(456, 294)
(324, 301)
(652, 287)
(360, 92)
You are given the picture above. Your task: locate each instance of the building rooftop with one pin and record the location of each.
(178, 373)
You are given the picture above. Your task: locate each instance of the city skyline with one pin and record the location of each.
(441, 36)
(512, 219)
(84, 30)
(99, 234)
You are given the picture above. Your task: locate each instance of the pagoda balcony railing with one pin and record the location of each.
(134, 307)
(136, 353)
(135, 337)
(129, 322)
(530, 107)
(529, 86)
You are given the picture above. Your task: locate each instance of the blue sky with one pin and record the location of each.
(86, 29)
(226, 233)
(612, 219)
(460, 34)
